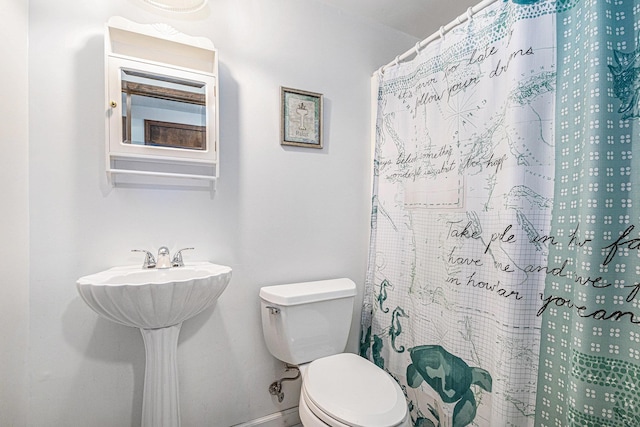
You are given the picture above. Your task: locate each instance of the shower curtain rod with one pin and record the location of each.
(438, 34)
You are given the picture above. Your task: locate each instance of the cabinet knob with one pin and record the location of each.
(113, 104)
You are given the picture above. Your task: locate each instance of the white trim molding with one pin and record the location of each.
(287, 418)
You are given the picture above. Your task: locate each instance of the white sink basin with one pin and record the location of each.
(154, 298)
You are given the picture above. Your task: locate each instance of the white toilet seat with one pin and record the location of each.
(346, 390)
(309, 418)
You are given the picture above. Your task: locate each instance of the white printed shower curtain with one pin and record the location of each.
(502, 286)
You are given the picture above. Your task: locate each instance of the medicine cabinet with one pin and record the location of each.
(162, 103)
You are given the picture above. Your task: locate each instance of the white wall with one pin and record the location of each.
(279, 214)
(14, 217)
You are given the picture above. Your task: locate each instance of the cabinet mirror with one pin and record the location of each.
(158, 111)
(163, 111)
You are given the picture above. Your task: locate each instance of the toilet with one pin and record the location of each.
(307, 325)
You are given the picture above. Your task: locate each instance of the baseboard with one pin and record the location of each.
(287, 418)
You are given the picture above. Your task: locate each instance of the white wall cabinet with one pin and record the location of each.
(161, 103)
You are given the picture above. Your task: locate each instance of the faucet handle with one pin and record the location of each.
(177, 258)
(149, 260)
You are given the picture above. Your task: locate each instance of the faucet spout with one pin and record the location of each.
(163, 260)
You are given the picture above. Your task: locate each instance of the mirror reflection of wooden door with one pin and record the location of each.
(167, 134)
(163, 111)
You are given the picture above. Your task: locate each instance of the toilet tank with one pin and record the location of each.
(305, 321)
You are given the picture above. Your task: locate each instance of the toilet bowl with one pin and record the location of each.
(348, 390)
(307, 324)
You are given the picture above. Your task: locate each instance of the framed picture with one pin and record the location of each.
(301, 122)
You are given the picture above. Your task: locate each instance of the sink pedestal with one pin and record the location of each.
(160, 403)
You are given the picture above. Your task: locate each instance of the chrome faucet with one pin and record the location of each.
(149, 260)
(164, 260)
(177, 258)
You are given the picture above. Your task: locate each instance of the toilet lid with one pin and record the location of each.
(354, 391)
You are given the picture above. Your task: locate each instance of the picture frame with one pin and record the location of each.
(301, 118)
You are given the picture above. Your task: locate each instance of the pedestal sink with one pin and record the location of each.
(156, 301)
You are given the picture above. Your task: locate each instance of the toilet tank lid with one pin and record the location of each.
(306, 292)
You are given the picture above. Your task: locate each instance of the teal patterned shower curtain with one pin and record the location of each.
(503, 286)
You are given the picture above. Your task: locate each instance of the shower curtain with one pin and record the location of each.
(503, 285)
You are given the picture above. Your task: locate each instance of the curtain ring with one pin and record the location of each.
(396, 61)
(470, 13)
(417, 48)
(441, 32)
(381, 71)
